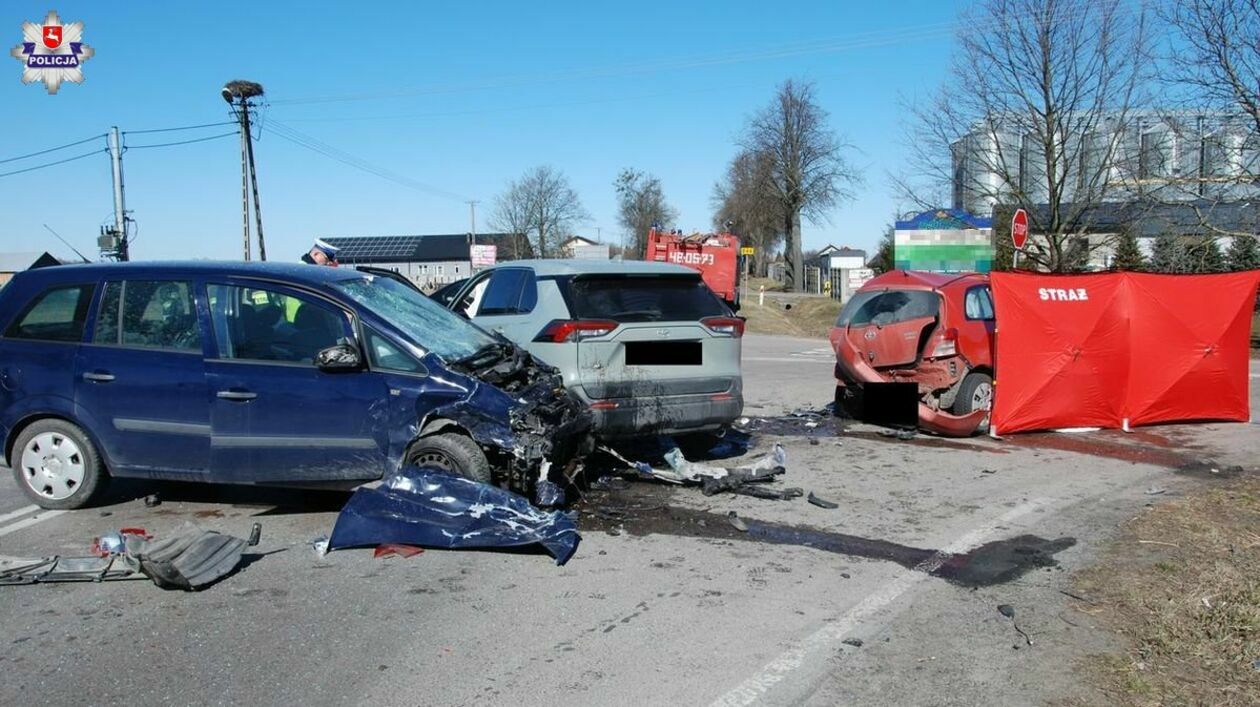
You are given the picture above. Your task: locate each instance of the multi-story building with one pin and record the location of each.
(1151, 156)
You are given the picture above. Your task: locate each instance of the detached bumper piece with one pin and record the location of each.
(191, 560)
(431, 508)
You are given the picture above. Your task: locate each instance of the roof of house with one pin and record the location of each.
(578, 240)
(579, 266)
(17, 262)
(423, 248)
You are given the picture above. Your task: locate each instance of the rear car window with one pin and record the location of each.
(154, 314)
(643, 299)
(58, 314)
(888, 307)
(979, 303)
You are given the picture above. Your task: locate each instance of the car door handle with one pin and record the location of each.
(236, 395)
(98, 377)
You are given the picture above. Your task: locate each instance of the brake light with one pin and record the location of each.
(560, 331)
(731, 326)
(947, 346)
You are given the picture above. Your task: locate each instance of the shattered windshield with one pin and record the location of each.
(428, 324)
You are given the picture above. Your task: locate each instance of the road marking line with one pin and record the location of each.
(777, 670)
(19, 512)
(788, 360)
(28, 522)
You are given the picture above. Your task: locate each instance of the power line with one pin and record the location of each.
(170, 130)
(52, 164)
(52, 149)
(301, 139)
(181, 142)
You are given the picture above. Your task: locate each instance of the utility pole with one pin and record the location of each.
(253, 177)
(472, 221)
(113, 241)
(244, 195)
(238, 94)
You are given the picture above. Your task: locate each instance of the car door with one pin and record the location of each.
(975, 338)
(275, 417)
(502, 302)
(142, 376)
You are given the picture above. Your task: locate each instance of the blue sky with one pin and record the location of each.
(460, 96)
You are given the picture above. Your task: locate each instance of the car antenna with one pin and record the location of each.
(76, 250)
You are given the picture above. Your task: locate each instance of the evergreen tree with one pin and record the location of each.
(1128, 253)
(885, 258)
(1244, 253)
(1207, 256)
(1168, 255)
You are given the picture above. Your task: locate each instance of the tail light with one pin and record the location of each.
(560, 331)
(731, 326)
(947, 346)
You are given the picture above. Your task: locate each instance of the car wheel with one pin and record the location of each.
(57, 466)
(975, 393)
(452, 453)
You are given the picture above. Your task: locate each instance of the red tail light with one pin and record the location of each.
(947, 346)
(560, 331)
(732, 326)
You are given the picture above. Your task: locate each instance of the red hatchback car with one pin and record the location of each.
(932, 329)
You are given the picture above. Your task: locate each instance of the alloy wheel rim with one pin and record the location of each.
(982, 398)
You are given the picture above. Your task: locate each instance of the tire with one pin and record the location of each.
(453, 453)
(57, 466)
(975, 393)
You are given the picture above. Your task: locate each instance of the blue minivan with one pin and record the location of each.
(259, 373)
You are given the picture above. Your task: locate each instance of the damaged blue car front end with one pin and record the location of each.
(467, 382)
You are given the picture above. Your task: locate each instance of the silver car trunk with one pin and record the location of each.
(650, 359)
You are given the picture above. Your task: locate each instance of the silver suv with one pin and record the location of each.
(647, 346)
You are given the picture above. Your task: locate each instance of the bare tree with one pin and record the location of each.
(640, 204)
(743, 204)
(1213, 67)
(540, 203)
(1033, 116)
(808, 174)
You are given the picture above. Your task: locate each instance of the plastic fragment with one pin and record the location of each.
(820, 502)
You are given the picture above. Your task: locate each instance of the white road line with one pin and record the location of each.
(800, 359)
(28, 522)
(19, 512)
(779, 669)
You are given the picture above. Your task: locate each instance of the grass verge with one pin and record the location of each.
(1181, 587)
(809, 316)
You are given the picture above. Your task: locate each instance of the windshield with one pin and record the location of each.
(884, 307)
(427, 324)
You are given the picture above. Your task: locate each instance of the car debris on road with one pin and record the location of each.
(190, 560)
(433, 508)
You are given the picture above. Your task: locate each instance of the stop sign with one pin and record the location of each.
(1019, 228)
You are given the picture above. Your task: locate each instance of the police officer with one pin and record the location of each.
(322, 253)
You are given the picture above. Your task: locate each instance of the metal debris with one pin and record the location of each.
(820, 502)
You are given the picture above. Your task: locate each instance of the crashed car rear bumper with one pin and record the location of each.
(614, 418)
(857, 372)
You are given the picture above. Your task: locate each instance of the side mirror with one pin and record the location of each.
(341, 357)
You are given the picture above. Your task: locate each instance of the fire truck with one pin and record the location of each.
(715, 255)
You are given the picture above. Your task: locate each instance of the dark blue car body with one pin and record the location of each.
(183, 409)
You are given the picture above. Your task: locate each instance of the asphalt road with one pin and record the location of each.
(655, 608)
